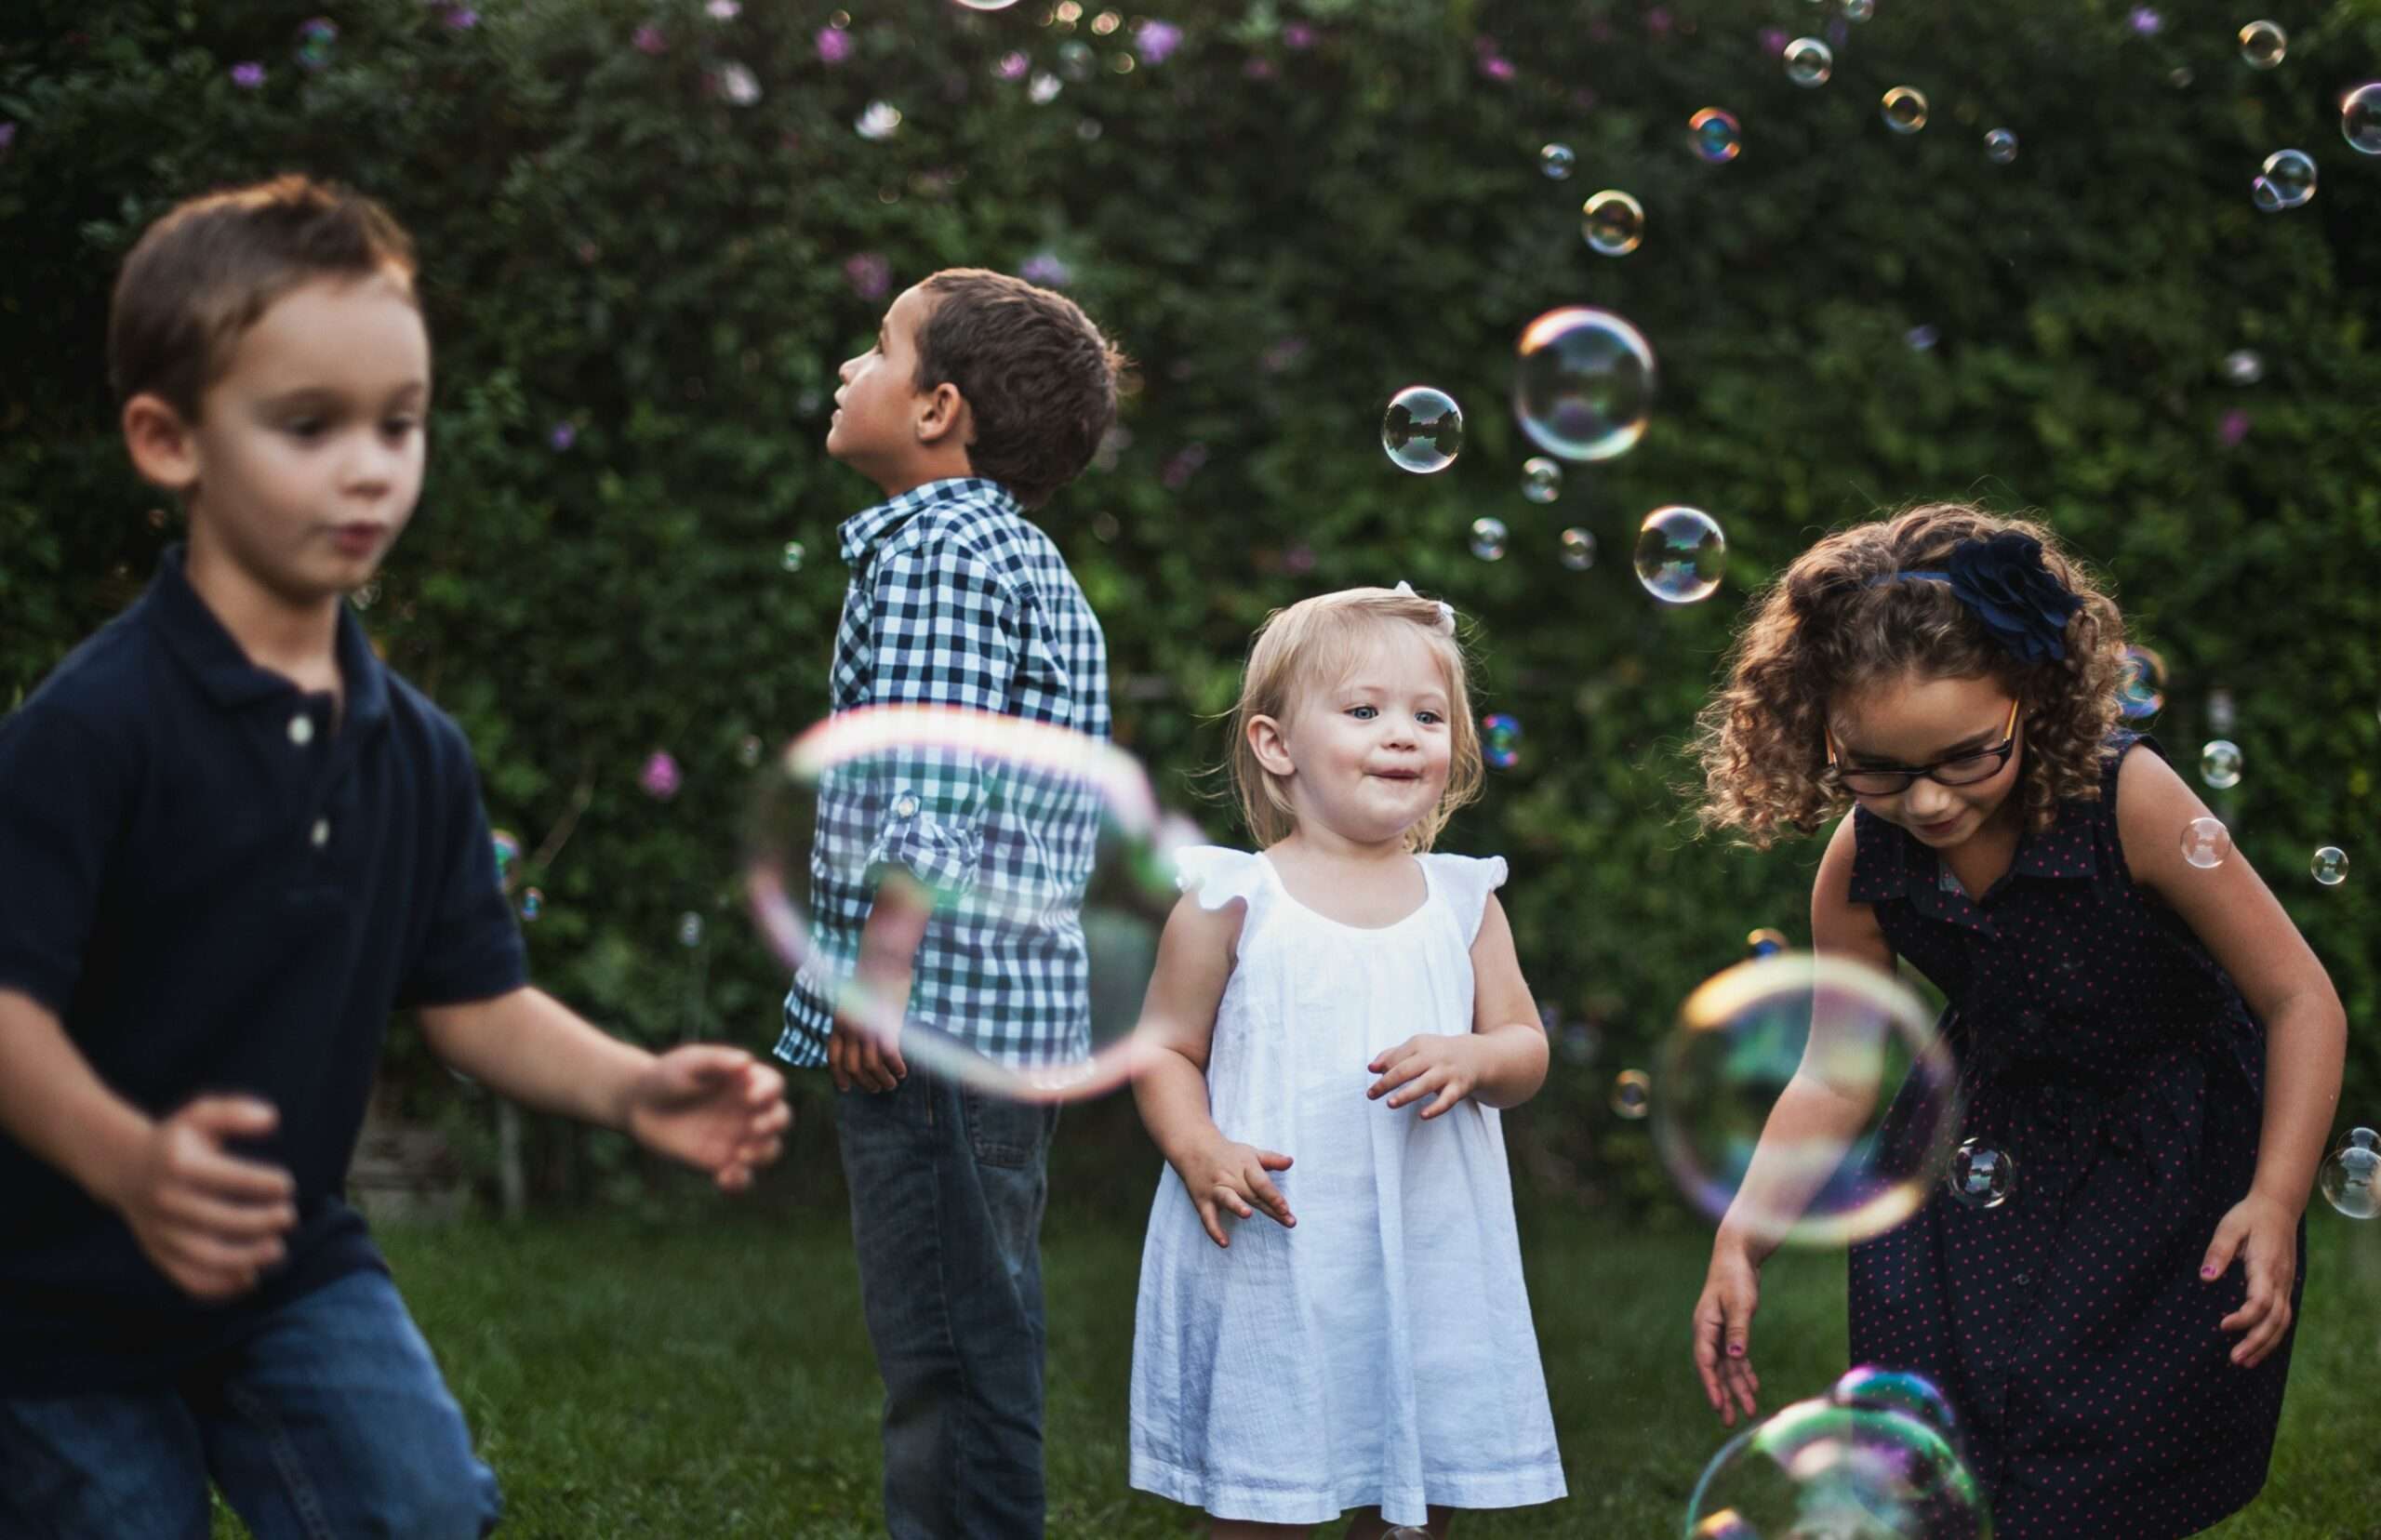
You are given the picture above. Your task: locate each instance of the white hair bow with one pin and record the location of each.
(1447, 611)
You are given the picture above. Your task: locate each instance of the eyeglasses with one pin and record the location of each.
(1964, 770)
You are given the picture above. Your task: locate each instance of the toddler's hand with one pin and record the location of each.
(1421, 1066)
(2264, 1235)
(1223, 1175)
(1724, 1331)
(210, 1220)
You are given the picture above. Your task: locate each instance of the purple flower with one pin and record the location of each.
(248, 76)
(463, 19)
(1297, 34)
(1496, 67)
(1657, 20)
(563, 436)
(2233, 429)
(834, 44)
(1772, 40)
(649, 39)
(2145, 21)
(659, 779)
(1155, 40)
(1046, 268)
(869, 275)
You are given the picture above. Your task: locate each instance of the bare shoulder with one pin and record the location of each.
(2154, 805)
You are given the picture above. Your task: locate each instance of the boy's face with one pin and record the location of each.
(308, 452)
(878, 405)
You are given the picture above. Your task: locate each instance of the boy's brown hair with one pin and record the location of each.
(203, 273)
(1038, 377)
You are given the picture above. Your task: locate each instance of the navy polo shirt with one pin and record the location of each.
(221, 885)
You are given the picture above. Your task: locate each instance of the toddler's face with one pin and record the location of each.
(1907, 722)
(1370, 752)
(877, 400)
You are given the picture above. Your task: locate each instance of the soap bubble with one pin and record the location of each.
(1556, 161)
(2263, 45)
(533, 904)
(1876, 1088)
(1583, 383)
(2361, 119)
(1921, 338)
(1681, 554)
(2205, 843)
(1488, 537)
(2288, 181)
(903, 784)
(1809, 61)
(1821, 1471)
(2351, 1178)
(1905, 109)
(2141, 684)
(2219, 764)
(1903, 1390)
(315, 40)
(1715, 135)
(1860, 10)
(2000, 147)
(2242, 366)
(988, 4)
(690, 929)
(1501, 741)
(1578, 549)
(878, 122)
(1043, 88)
(1765, 942)
(508, 857)
(2329, 866)
(1613, 222)
(1632, 1093)
(1980, 1176)
(1422, 430)
(1541, 479)
(791, 558)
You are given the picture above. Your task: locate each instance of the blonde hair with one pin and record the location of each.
(1832, 622)
(1320, 640)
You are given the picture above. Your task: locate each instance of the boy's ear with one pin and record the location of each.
(163, 448)
(1265, 741)
(943, 413)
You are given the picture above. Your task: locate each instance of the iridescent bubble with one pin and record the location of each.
(878, 122)
(1921, 338)
(1043, 88)
(2141, 684)
(690, 929)
(1809, 61)
(2361, 119)
(1422, 430)
(1874, 1092)
(316, 39)
(1980, 1176)
(1765, 942)
(1556, 161)
(1613, 222)
(1501, 741)
(533, 904)
(2329, 866)
(1583, 383)
(1077, 59)
(1488, 537)
(1860, 10)
(1578, 549)
(2242, 366)
(2263, 45)
(2001, 146)
(1632, 1093)
(988, 4)
(748, 754)
(1903, 1390)
(1905, 109)
(507, 856)
(2288, 181)
(1541, 479)
(1681, 554)
(1821, 1471)
(2205, 843)
(1715, 135)
(2219, 764)
(791, 558)
(2351, 1177)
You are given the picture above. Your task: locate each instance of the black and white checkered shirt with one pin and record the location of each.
(957, 600)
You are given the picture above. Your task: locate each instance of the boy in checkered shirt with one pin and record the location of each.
(982, 396)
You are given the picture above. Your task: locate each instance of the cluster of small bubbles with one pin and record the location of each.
(2205, 843)
(1556, 161)
(1715, 135)
(878, 122)
(1613, 222)
(2287, 181)
(1809, 61)
(1541, 479)
(2361, 119)
(2351, 1177)
(2219, 764)
(1981, 1176)
(791, 557)
(1422, 430)
(2242, 366)
(690, 929)
(2141, 684)
(533, 904)
(1578, 549)
(748, 754)
(1860, 10)
(2264, 43)
(2001, 146)
(1905, 109)
(507, 856)
(1488, 537)
(314, 40)
(1681, 554)
(1583, 383)
(2329, 866)
(1632, 1093)
(1501, 741)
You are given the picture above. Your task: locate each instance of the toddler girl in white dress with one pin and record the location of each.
(1331, 1312)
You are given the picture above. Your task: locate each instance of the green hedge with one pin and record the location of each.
(1293, 213)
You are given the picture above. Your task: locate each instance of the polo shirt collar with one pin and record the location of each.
(864, 531)
(198, 638)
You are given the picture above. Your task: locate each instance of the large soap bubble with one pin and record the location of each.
(1806, 1099)
(1583, 383)
(1682, 554)
(1903, 1390)
(1819, 1470)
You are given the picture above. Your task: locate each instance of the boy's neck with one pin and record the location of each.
(894, 484)
(298, 641)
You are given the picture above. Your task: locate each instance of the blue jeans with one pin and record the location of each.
(947, 1188)
(330, 1422)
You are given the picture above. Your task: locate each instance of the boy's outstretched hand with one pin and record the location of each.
(210, 1220)
(716, 1108)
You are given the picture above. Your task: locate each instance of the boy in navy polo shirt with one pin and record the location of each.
(233, 842)
(982, 397)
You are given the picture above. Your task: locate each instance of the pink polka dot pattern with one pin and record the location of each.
(2109, 1055)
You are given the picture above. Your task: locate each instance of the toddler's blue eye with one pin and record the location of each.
(1429, 718)
(1362, 714)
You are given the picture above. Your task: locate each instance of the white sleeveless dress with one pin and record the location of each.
(1381, 1352)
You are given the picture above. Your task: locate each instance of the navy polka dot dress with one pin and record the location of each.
(2114, 1060)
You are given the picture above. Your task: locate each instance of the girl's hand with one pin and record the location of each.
(1223, 1175)
(1724, 1330)
(1420, 1066)
(2264, 1235)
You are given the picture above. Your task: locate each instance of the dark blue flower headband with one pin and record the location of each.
(2003, 579)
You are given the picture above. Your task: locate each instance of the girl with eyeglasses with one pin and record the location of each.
(2149, 1039)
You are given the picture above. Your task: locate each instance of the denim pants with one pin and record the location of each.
(331, 1422)
(947, 1188)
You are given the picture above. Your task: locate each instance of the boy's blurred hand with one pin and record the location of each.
(210, 1220)
(714, 1107)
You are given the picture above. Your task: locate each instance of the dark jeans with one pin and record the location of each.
(947, 1189)
(331, 1422)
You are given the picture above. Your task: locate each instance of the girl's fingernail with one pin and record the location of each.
(2207, 1272)
(1735, 1349)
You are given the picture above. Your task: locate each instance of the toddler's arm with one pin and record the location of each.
(1501, 1062)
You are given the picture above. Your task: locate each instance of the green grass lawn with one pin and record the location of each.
(713, 1378)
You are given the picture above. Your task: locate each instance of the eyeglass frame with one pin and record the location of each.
(2001, 752)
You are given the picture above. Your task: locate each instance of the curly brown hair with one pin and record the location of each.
(1826, 624)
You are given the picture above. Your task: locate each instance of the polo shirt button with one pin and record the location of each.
(301, 729)
(905, 806)
(322, 834)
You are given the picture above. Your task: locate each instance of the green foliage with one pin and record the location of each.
(1282, 235)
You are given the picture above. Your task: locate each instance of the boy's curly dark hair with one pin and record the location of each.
(1825, 626)
(1038, 377)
